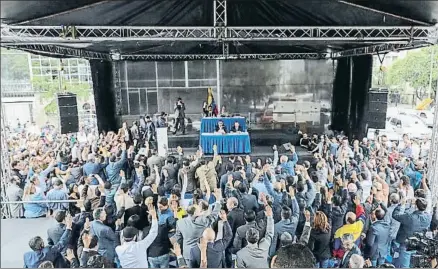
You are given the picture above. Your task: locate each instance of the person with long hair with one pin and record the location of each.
(320, 236)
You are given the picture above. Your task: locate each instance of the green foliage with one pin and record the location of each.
(49, 88)
(14, 65)
(414, 70)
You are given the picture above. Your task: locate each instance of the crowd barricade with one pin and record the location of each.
(6, 210)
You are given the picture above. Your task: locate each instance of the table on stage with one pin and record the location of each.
(236, 143)
(208, 124)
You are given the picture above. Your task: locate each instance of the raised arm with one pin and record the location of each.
(149, 239)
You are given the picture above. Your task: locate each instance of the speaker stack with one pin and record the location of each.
(377, 108)
(68, 113)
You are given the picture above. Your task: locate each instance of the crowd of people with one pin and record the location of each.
(118, 204)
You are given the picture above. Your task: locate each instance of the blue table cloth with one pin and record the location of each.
(226, 144)
(208, 125)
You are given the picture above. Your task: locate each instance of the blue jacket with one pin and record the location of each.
(113, 169)
(410, 223)
(33, 259)
(394, 225)
(378, 239)
(285, 225)
(34, 210)
(107, 239)
(95, 169)
(289, 166)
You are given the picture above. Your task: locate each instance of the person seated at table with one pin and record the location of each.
(236, 128)
(221, 128)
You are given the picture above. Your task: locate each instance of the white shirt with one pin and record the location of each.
(366, 189)
(82, 138)
(134, 254)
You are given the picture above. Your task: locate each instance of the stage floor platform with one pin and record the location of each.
(258, 138)
(16, 234)
(261, 152)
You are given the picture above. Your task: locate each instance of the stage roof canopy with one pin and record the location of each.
(217, 29)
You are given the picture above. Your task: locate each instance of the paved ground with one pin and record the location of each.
(15, 237)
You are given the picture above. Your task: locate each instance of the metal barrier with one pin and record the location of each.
(6, 211)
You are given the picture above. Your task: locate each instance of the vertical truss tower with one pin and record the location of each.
(5, 167)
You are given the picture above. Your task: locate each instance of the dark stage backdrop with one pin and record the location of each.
(258, 90)
(265, 90)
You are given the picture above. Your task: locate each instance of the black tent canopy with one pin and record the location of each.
(217, 29)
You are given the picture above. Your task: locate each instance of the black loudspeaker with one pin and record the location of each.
(377, 120)
(377, 107)
(68, 113)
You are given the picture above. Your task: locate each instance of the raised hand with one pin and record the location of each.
(291, 191)
(86, 239)
(307, 215)
(68, 221)
(223, 215)
(218, 194)
(268, 211)
(87, 224)
(152, 212)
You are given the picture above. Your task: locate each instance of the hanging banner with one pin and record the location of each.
(162, 141)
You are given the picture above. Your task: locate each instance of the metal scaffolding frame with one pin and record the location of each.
(219, 32)
(375, 49)
(5, 167)
(432, 172)
(61, 51)
(256, 56)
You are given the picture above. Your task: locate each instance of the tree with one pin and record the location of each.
(414, 70)
(50, 88)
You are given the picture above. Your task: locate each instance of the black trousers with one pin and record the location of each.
(179, 124)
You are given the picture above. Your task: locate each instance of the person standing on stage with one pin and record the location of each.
(179, 116)
(150, 130)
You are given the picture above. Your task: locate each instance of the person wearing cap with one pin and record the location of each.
(132, 253)
(410, 223)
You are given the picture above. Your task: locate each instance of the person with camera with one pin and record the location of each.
(410, 223)
(180, 115)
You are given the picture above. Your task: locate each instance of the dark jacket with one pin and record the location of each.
(191, 180)
(338, 212)
(345, 261)
(172, 179)
(249, 202)
(161, 245)
(236, 219)
(141, 211)
(285, 225)
(319, 243)
(215, 250)
(33, 259)
(240, 236)
(238, 129)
